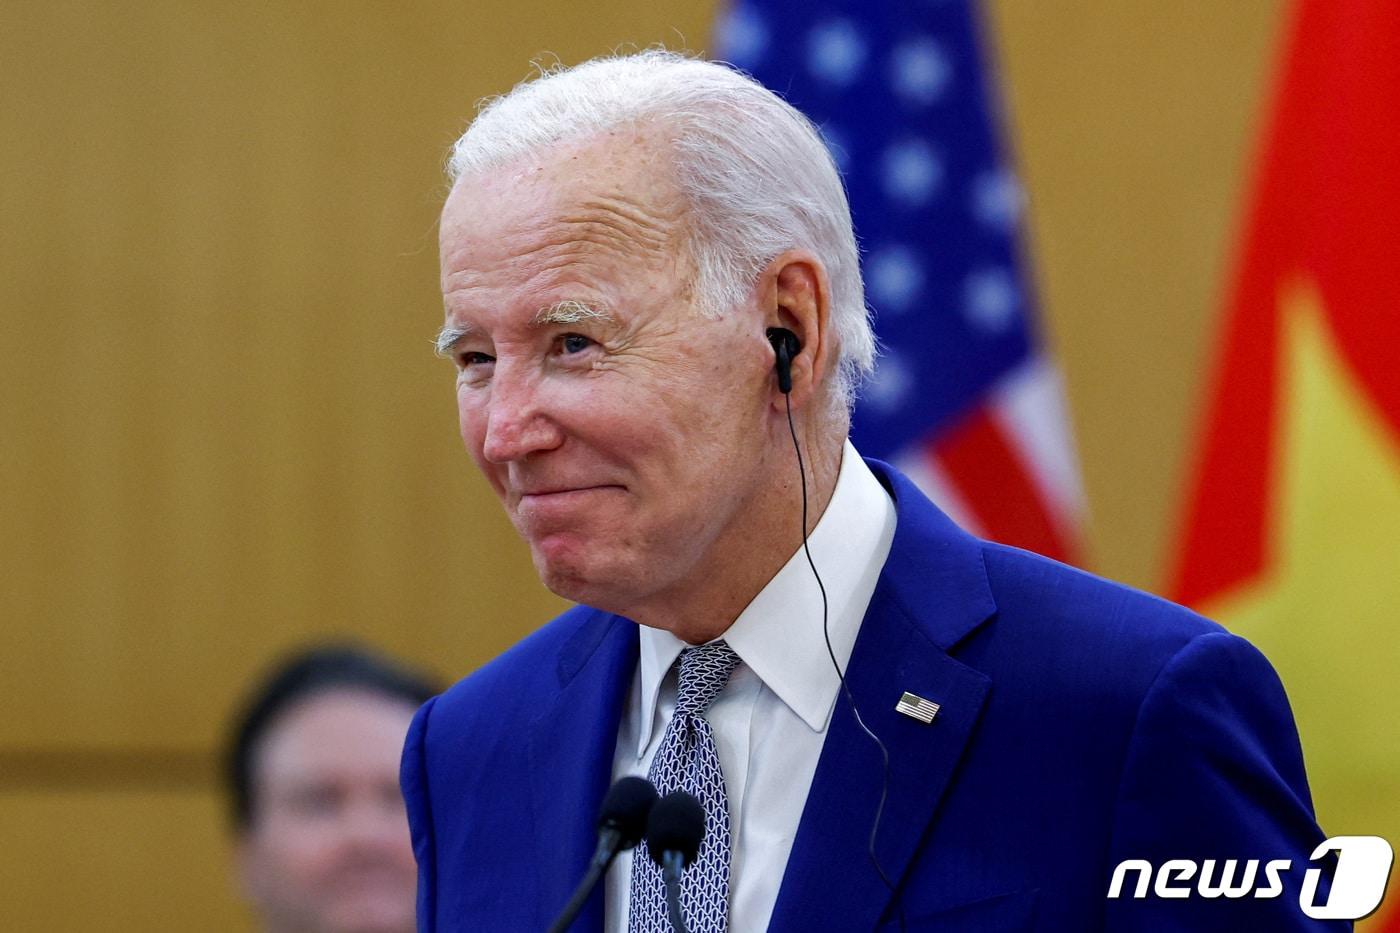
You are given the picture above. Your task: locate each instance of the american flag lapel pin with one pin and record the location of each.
(916, 707)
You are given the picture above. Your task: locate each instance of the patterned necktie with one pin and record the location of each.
(688, 760)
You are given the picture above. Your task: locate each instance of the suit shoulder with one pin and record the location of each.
(1075, 603)
(1072, 653)
(530, 666)
(1080, 636)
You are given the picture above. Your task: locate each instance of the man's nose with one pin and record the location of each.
(517, 420)
(370, 825)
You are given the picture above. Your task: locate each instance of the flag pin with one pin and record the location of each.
(916, 707)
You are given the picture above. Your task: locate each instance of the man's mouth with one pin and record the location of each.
(546, 493)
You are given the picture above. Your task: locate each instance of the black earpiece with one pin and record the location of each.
(785, 347)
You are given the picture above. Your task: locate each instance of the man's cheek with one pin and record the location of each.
(473, 433)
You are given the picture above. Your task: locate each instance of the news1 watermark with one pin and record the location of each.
(1358, 884)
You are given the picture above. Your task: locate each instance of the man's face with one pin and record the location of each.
(328, 848)
(620, 428)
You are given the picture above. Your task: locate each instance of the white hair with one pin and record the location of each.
(758, 178)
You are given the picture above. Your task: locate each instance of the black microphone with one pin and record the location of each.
(674, 831)
(621, 823)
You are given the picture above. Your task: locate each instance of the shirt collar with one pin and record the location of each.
(779, 634)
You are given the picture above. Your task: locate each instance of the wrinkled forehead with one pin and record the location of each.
(618, 184)
(333, 729)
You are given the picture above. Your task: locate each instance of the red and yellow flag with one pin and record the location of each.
(1291, 532)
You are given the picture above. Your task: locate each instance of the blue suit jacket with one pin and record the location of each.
(1082, 723)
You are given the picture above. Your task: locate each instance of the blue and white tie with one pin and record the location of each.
(688, 760)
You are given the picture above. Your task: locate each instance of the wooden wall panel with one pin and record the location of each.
(117, 860)
(227, 429)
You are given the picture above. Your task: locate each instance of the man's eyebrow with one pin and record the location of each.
(448, 337)
(572, 311)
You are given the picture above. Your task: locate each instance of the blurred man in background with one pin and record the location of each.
(312, 771)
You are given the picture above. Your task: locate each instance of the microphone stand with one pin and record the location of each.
(608, 845)
(672, 864)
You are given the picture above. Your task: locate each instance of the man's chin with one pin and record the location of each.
(370, 918)
(369, 901)
(579, 576)
(569, 582)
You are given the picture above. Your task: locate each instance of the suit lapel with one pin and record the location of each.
(932, 592)
(571, 753)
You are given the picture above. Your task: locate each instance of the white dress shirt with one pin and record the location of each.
(770, 721)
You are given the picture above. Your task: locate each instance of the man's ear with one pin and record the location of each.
(796, 295)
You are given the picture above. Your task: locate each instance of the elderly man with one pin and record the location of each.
(654, 304)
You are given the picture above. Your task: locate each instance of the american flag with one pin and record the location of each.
(964, 399)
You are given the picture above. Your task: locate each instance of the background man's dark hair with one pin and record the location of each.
(297, 678)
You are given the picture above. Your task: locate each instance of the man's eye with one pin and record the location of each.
(315, 801)
(472, 358)
(574, 343)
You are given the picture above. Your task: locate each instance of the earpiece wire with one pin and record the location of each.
(840, 674)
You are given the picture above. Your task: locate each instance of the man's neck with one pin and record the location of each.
(702, 609)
